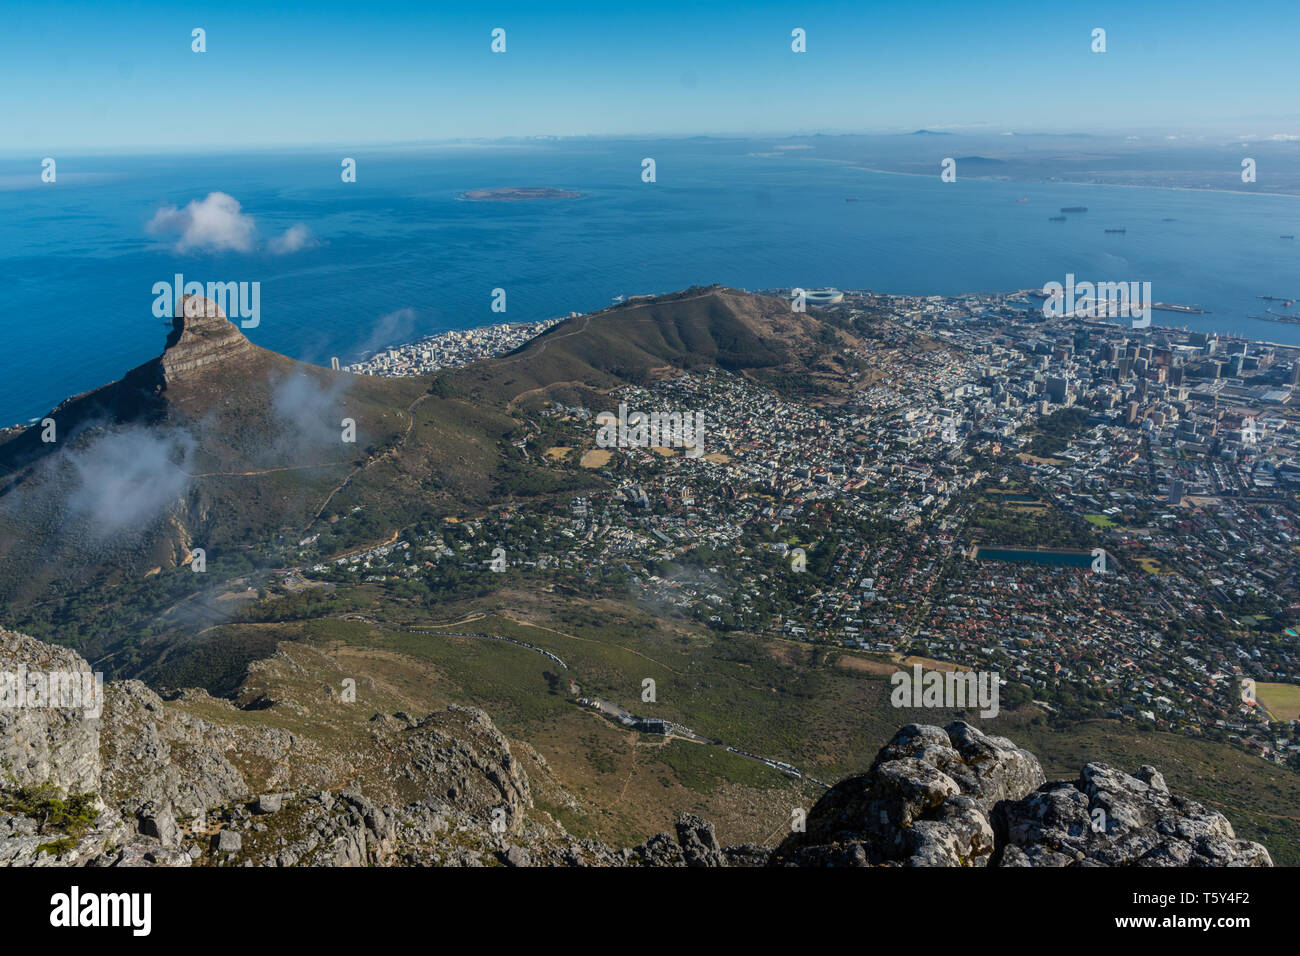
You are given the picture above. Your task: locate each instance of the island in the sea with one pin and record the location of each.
(518, 194)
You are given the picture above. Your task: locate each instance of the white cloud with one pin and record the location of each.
(217, 223)
(212, 224)
(295, 237)
(127, 479)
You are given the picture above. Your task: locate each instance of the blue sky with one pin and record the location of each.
(122, 75)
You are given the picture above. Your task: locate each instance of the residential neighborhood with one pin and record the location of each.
(1103, 515)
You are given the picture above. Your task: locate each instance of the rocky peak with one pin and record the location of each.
(201, 335)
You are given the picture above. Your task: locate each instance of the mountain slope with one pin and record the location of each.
(647, 339)
(196, 781)
(221, 445)
(216, 443)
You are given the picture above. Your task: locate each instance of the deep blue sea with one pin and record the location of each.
(398, 255)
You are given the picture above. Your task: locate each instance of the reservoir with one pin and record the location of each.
(1058, 559)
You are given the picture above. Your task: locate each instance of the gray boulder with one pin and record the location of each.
(1110, 818)
(958, 797)
(228, 841)
(269, 803)
(160, 823)
(698, 842)
(924, 802)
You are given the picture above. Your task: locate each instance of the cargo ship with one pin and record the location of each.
(1056, 219)
(1117, 230)
(1074, 209)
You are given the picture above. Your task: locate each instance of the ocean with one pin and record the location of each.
(397, 255)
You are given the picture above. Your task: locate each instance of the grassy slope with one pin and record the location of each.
(783, 700)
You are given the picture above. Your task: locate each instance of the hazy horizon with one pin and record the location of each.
(1143, 137)
(129, 79)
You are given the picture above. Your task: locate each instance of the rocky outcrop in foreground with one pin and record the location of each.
(148, 783)
(39, 745)
(956, 797)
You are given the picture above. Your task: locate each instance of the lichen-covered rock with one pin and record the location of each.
(459, 757)
(660, 850)
(924, 802)
(39, 744)
(958, 797)
(992, 768)
(747, 854)
(1110, 818)
(269, 803)
(159, 823)
(699, 843)
(162, 755)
